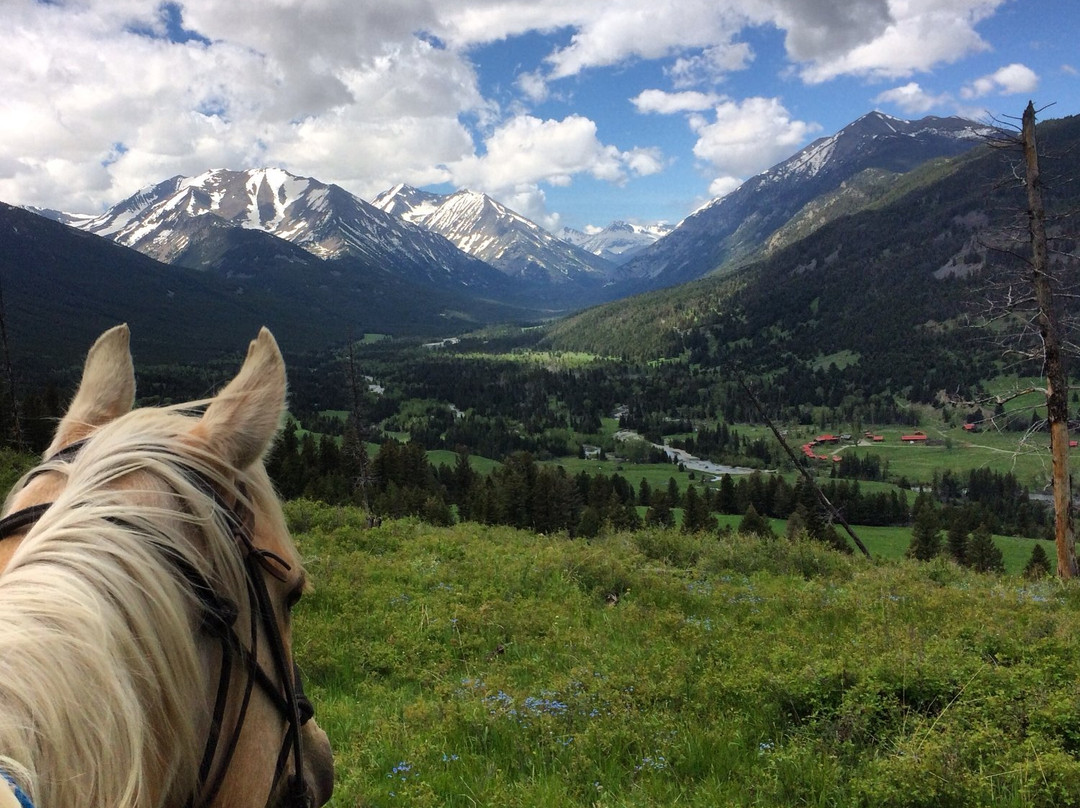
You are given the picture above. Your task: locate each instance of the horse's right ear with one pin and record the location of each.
(242, 419)
(106, 392)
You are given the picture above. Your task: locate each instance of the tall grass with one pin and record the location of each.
(476, 665)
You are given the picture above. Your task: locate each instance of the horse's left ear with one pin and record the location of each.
(106, 392)
(242, 419)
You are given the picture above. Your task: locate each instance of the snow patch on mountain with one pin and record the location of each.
(619, 241)
(327, 221)
(488, 230)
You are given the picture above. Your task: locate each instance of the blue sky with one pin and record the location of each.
(573, 112)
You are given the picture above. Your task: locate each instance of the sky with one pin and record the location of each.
(572, 112)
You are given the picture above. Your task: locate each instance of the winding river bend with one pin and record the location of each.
(688, 460)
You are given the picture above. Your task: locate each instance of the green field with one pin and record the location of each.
(474, 665)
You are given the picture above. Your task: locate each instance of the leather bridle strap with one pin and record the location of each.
(218, 619)
(20, 520)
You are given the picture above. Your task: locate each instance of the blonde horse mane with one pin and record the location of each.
(102, 684)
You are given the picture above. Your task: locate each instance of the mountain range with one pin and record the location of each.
(488, 230)
(735, 227)
(910, 287)
(619, 241)
(167, 221)
(417, 262)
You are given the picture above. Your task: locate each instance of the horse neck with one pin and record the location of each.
(101, 686)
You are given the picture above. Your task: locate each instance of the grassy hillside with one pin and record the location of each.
(484, 666)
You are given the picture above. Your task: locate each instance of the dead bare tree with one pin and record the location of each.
(1057, 387)
(830, 509)
(1028, 305)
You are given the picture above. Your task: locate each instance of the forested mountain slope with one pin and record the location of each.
(886, 292)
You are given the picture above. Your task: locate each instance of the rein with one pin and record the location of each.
(219, 615)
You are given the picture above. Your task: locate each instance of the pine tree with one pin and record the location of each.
(590, 522)
(1038, 565)
(725, 500)
(925, 536)
(983, 555)
(755, 524)
(644, 492)
(696, 516)
(673, 496)
(659, 514)
(796, 524)
(956, 539)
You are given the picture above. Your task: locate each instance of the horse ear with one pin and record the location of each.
(106, 392)
(242, 419)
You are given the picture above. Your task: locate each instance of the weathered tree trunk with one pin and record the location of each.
(1057, 403)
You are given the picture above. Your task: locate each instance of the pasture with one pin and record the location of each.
(477, 665)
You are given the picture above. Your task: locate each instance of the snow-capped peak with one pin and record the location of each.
(488, 230)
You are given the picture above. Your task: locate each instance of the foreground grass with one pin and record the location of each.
(471, 666)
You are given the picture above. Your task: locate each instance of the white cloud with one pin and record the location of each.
(711, 66)
(1014, 78)
(95, 102)
(533, 86)
(665, 103)
(912, 99)
(528, 150)
(722, 186)
(824, 38)
(643, 162)
(821, 29)
(746, 137)
(328, 88)
(616, 32)
(916, 36)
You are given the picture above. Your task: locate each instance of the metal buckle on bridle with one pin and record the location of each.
(219, 615)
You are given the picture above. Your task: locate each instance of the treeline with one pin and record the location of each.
(399, 480)
(993, 499)
(960, 534)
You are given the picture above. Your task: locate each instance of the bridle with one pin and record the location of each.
(218, 620)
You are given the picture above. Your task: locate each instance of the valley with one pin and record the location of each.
(838, 315)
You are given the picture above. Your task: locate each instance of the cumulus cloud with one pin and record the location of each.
(665, 103)
(915, 36)
(912, 99)
(331, 89)
(711, 66)
(820, 29)
(1014, 78)
(743, 138)
(101, 97)
(529, 150)
(722, 186)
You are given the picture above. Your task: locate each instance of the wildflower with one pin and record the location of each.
(657, 763)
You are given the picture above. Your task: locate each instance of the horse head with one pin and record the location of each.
(149, 577)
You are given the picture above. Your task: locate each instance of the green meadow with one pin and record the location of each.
(474, 665)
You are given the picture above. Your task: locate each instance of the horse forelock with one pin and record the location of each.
(102, 682)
